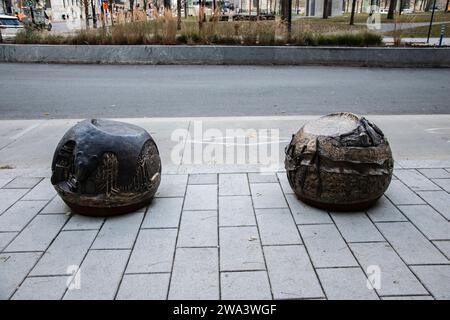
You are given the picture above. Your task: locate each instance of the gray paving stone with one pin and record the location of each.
(399, 194)
(198, 229)
(236, 211)
(415, 180)
(57, 205)
(144, 287)
(396, 278)
(356, 227)
(201, 197)
(444, 246)
(304, 214)
(163, 213)
(5, 238)
(267, 195)
(439, 200)
(41, 288)
(195, 274)
(233, 184)
(410, 244)
(384, 210)
(423, 164)
(153, 251)
(79, 222)
(284, 183)
(68, 249)
(18, 216)
(4, 181)
(101, 272)
(326, 246)
(43, 191)
(277, 227)
(206, 178)
(436, 279)
(23, 183)
(14, 267)
(9, 196)
(408, 298)
(262, 178)
(291, 273)
(38, 234)
(247, 285)
(172, 185)
(119, 232)
(346, 284)
(435, 173)
(240, 249)
(430, 222)
(443, 183)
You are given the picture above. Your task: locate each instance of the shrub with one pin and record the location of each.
(350, 39)
(162, 30)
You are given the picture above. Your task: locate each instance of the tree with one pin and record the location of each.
(446, 6)
(94, 14)
(392, 6)
(286, 15)
(257, 9)
(326, 3)
(111, 11)
(178, 14)
(352, 15)
(132, 9)
(167, 4)
(86, 12)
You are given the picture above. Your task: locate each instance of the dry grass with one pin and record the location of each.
(163, 30)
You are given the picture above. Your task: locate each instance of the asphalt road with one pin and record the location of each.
(38, 91)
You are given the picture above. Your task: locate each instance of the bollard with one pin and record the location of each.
(441, 38)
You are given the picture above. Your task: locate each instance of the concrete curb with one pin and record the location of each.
(227, 55)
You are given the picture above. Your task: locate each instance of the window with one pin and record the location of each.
(9, 22)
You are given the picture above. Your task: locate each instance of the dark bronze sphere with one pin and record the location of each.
(104, 167)
(339, 162)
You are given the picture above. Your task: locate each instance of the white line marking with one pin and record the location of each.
(25, 131)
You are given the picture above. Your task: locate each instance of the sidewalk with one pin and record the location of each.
(217, 231)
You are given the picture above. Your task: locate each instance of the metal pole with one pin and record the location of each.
(431, 22)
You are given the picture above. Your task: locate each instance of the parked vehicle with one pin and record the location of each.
(9, 26)
(407, 11)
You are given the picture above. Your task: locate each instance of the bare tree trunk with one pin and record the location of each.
(286, 15)
(111, 11)
(325, 9)
(352, 15)
(257, 9)
(94, 15)
(86, 12)
(178, 14)
(392, 7)
(132, 9)
(446, 6)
